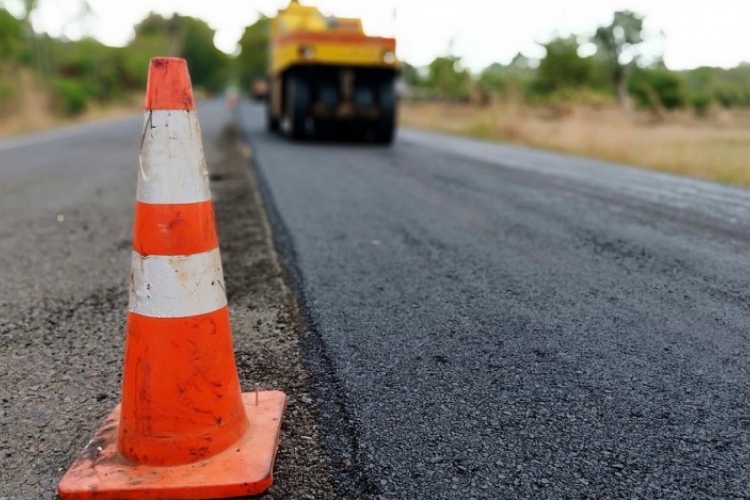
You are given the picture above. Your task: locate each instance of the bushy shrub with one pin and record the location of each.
(656, 88)
(449, 78)
(701, 103)
(562, 67)
(71, 96)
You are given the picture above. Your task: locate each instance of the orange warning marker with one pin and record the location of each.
(183, 428)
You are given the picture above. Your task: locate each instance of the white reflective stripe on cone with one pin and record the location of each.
(177, 286)
(173, 168)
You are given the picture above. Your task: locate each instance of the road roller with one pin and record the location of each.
(328, 79)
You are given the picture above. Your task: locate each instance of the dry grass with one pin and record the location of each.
(716, 147)
(32, 111)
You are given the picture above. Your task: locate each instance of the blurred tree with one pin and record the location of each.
(252, 61)
(658, 88)
(730, 95)
(617, 46)
(182, 36)
(154, 35)
(11, 36)
(12, 45)
(163, 34)
(446, 76)
(701, 78)
(521, 65)
(410, 75)
(29, 6)
(98, 70)
(701, 103)
(32, 51)
(701, 83)
(733, 85)
(208, 65)
(493, 80)
(507, 81)
(727, 87)
(562, 67)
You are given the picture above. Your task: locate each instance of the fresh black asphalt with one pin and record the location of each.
(494, 322)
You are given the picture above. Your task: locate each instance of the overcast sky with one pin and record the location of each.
(697, 32)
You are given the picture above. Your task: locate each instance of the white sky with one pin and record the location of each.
(697, 32)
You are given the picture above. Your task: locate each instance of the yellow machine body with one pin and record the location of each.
(301, 35)
(326, 74)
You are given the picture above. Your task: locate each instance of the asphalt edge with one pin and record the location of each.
(339, 433)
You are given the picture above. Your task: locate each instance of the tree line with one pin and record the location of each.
(612, 68)
(616, 70)
(76, 73)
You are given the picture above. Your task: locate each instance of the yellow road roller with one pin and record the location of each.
(327, 78)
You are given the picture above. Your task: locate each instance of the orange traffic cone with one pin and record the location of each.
(183, 428)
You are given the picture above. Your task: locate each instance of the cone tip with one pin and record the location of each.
(169, 85)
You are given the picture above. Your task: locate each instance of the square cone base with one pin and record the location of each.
(245, 468)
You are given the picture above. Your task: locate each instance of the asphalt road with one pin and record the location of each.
(496, 322)
(485, 321)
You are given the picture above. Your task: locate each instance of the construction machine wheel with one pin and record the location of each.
(386, 124)
(297, 109)
(272, 124)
